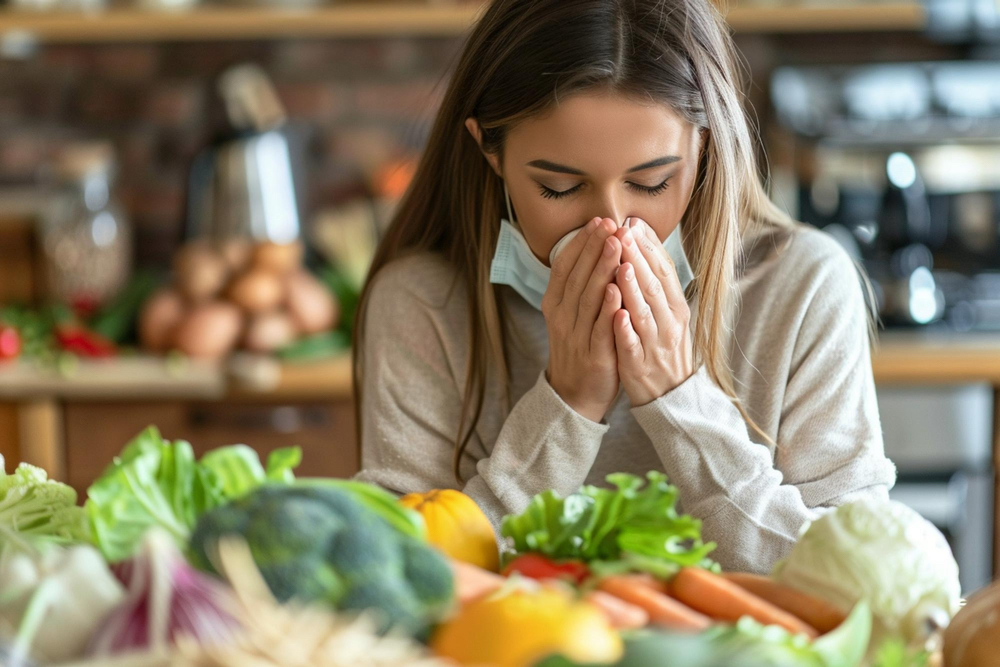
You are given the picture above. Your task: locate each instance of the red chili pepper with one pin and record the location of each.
(536, 566)
(83, 342)
(10, 343)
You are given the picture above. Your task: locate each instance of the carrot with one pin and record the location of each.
(816, 612)
(721, 599)
(662, 609)
(473, 582)
(622, 615)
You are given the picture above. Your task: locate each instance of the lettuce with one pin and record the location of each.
(629, 527)
(773, 646)
(155, 482)
(34, 506)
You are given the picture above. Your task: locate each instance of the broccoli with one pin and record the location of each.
(368, 550)
(319, 544)
(429, 575)
(391, 601)
(226, 520)
(275, 531)
(303, 581)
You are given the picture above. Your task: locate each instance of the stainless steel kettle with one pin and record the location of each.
(246, 184)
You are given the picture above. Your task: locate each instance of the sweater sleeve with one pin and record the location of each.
(829, 445)
(411, 409)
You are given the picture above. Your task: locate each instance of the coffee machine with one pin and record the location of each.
(901, 162)
(247, 183)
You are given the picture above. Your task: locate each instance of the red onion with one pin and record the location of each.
(166, 599)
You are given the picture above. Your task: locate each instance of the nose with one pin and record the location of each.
(612, 205)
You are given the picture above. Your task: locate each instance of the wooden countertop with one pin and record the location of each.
(154, 378)
(902, 358)
(927, 358)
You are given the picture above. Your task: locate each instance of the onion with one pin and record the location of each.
(281, 258)
(257, 291)
(270, 331)
(200, 271)
(312, 306)
(209, 331)
(167, 599)
(159, 319)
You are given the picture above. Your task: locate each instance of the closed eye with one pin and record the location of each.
(549, 193)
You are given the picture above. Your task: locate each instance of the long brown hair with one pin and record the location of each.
(520, 58)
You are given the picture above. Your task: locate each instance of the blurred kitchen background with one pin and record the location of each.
(190, 194)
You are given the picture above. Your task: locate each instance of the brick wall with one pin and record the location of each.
(352, 101)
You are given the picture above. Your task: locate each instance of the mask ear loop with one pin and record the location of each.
(510, 211)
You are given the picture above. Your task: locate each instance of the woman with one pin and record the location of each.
(479, 369)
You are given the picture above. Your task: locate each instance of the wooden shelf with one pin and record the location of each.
(228, 24)
(377, 19)
(838, 17)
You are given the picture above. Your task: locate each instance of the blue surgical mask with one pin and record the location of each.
(515, 264)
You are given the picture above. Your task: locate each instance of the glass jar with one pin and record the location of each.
(86, 237)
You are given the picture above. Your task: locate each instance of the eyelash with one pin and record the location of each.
(549, 193)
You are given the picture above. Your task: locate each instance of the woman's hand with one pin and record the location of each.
(579, 307)
(652, 337)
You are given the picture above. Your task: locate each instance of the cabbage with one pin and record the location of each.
(882, 552)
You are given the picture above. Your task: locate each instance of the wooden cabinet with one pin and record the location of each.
(96, 431)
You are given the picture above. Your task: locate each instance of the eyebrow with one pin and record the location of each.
(563, 169)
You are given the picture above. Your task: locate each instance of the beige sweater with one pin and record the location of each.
(800, 359)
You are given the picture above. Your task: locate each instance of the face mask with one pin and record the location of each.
(514, 263)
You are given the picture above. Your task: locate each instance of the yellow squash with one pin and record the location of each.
(520, 627)
(456, 526)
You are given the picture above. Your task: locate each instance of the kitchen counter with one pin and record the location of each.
(901, 358)
(936, 358)
(147, 377)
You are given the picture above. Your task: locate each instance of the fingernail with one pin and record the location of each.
(627, 238)
(637, 224)
(609, 248)
(630, 274)
(609, 294)
(627, 222)
(592, 225)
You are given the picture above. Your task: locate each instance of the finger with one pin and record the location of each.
(627, 342)
(579, 276)
(638, 250)
(603, 337)
(640, 314)
(593, 294)
(661, 262)
(566, 261)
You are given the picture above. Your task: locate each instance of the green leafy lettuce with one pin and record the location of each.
(895, 653)
(34, 506)
(155, 482)
(773, 646)
(632, 526)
